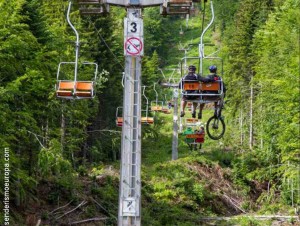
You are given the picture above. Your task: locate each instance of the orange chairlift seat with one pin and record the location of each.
(195, 136)
(215, 89)
(92, 7)
(65, 89)
(166, 111)
(165, 107)
(84, 89)
(192, 122)
(156, 106)
(198, 137)
(119, 117)
(146, 119)
(75, 88)
(72, 89)
(176, 7)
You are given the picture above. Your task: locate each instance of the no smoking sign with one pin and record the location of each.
(133, 46)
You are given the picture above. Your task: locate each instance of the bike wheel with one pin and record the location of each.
(215, 128)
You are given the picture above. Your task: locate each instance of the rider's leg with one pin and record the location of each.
(183, 104)
(194, 109)
(200, 111)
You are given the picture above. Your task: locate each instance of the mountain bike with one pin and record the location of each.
(215, 126)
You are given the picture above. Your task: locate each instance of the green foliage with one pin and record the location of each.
(52, 165)
(50, 139)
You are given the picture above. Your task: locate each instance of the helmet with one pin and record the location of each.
(212, 68)
(192, 68)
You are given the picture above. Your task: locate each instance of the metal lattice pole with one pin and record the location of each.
(130, 180)
(175, 126)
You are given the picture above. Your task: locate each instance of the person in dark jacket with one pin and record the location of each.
(191, 76)
(212, 77)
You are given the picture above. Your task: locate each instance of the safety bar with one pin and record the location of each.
(96, 68)
(147, 102)
(123, 77)
(86, 63)
(117, 111)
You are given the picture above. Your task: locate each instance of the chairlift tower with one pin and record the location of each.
(129, 213)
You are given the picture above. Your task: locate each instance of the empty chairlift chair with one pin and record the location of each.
(146, 119)
(92, 7)
(86, 89)
(70, 86)
(75, 89)
(176, 7)
(156, 105)
(119, 117)
(65, 89)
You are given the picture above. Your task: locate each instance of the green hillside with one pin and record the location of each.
(61, 158)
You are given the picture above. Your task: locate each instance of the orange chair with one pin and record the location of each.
(119, 121)
(65, 89)
(147, 120)
(156, 108)
(84, 90)
(195, 136)
(191, 86)
(210, 86)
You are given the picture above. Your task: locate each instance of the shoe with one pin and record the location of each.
(182, 114)
(194, 114)
(200, 115)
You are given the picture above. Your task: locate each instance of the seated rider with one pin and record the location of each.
(212, 77)
(191, 76)
(199, 140)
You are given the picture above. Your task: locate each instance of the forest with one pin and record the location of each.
(60, 158)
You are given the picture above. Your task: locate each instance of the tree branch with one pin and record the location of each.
(89, 220)
(81, 204)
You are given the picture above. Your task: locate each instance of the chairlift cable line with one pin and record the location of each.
(101, 37)
(203, 16)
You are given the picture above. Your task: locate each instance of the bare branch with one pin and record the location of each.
(61, 207)
(104, 130)
(36, 136)
(89, 220)
(103, 208)
(81, 204)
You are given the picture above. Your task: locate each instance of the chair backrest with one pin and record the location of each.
(191, 120)
(147, 120)
(65, 85)
(195, 136)
(191, 86)
(119, 121)
(156, 108)
(65, 89)
(87, 86)
(210, 86)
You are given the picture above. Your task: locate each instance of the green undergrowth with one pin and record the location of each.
(179, 192)
(174, 192)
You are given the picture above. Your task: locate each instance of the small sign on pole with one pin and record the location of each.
(133, 46)
(133, 34)
(129, 207)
